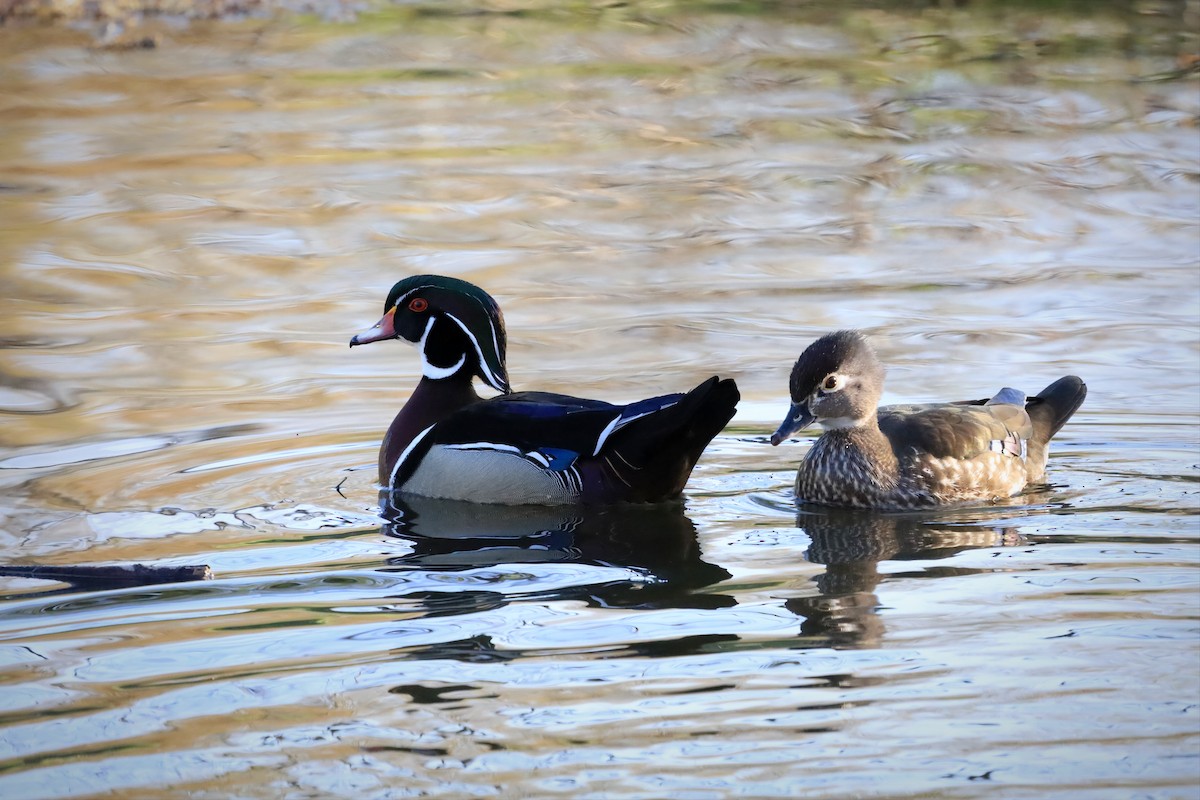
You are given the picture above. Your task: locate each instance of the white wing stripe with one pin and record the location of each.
(621, 422)
(604, 434)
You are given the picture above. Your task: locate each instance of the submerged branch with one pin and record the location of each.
(108, 576)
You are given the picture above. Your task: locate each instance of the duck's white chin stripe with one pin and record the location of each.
(839, 423)
(437, 373)
(429, 370)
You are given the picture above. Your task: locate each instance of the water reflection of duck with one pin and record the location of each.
(918, 456)
(525, 447)
(658, 541)
(851, 543)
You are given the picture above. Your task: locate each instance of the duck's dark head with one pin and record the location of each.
(837, 382)
(457, 325)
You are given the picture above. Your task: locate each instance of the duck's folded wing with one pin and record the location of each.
(957, 430)
(541, 421)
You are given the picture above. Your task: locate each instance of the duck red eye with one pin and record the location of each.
(418, 304)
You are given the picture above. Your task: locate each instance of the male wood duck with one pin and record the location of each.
(913, 456)
(525, 447)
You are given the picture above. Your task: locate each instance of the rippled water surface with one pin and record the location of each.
(190, 234)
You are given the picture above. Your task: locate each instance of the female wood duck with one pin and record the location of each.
(525, 447)
(913, 456)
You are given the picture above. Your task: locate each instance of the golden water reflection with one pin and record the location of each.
(654, 192)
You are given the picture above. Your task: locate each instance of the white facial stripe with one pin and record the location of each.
(426, 367)
(495, 334)
(400, 300)
(437, 373)
(429, 370)
(491, 376)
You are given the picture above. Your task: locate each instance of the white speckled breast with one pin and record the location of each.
(836, 473)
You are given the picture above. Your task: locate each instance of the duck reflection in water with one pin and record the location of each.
(658, 541)
(851, 543)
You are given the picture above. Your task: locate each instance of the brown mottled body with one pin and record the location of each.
(853, 469)
(900, 458)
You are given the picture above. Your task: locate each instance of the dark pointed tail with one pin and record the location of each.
(1054, 405)
(655, 455)
(1049, 411)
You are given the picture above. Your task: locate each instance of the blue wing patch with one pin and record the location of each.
(1008, 396)
(558, 457)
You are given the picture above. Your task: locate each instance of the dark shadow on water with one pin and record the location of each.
(852, 543)
(658, 542)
